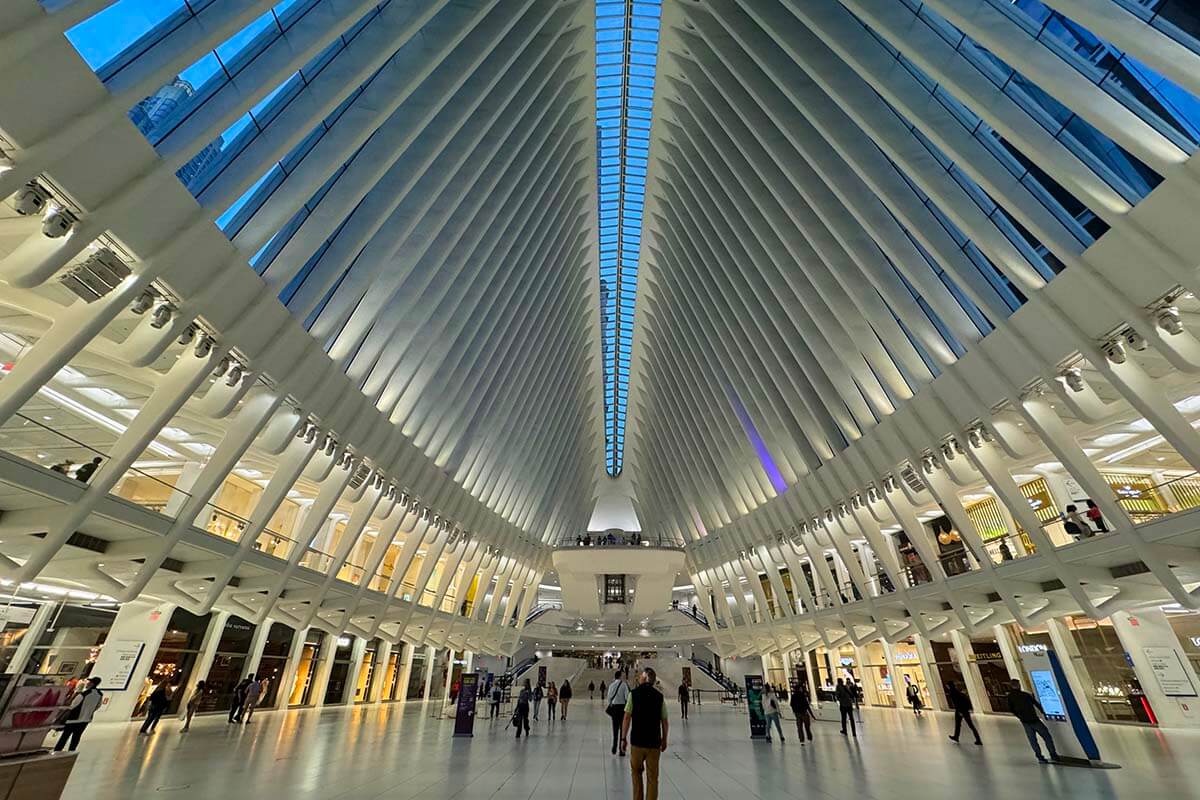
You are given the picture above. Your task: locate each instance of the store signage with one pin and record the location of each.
(118, 659)
(1169, 671)
(905, 655)
(464, 718)
(1031, 648)
(754, 704)
(1195, 640)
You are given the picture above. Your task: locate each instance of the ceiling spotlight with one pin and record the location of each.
(1169, 321)
(928, 464)
(974, 438)
(1114, 351)
(948, 451)
(58, 223)
(1136, 340)
(204, 346)
(162, 315)
(235, 375)
(1073, 378)
(143, 302)
(187, 334)
(31, 199)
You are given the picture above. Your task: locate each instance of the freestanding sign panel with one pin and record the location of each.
(464, 719)
(1063, 715)
(754, 704)
(541, 675)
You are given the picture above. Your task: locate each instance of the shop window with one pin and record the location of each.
(416, 675)
(1114, 690)
(878, 687)
(1187, 629)
(228, 666)
(392, 689)
(366, 672)
(71, 643)
(177, 655)
(993, 673)
(302, 687)
(273, 663)
(17, 618)
(339, 672)
(909, 673)
(1137, 494)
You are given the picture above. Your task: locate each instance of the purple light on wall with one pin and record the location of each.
(756, 441)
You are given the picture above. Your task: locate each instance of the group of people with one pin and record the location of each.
(1079, 525)
(632, 539)
(529, 701)
(1021, 704)
(83, 472)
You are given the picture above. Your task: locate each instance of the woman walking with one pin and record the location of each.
(193, 703)
(773, 712)
(914, 698)
(564, 697)
(551, 701)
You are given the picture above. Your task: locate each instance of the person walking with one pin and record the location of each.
(644, 731)
(551, 701)
(521, 712)
(802, 707)
(250, 702)
(238, 700)
(1095, 517)
(156, 706)
(614, 706)
(78, 715)
(497, 696)
(591, 690)
(913, 694)
(84, 473)
(603, 690)
(538, 695)
(960, 701)
(1026, 708)
(845, 701)
(773, 711)
(193, 704)
(685, 696)
(564, 697)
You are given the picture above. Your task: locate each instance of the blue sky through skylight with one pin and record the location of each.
(626, 57)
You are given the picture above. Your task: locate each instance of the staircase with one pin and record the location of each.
(720, 678)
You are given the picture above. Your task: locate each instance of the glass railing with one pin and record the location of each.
(316, 560)
(626, 540)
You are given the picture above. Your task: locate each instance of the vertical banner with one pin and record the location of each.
(541, 675)
(754, 704)
(464, 718)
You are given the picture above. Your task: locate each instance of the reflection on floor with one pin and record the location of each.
(398, 751)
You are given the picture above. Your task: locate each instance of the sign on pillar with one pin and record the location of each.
(754, 704)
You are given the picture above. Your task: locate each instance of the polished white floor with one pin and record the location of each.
(397, 751)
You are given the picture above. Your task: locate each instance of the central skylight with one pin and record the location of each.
(626, 54)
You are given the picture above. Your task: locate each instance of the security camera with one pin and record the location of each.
(143, 303)
(162, 315)
(30, 200)
(58, 223)
(1169, 321)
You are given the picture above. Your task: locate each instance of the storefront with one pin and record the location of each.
(339, 671)
(176, 657)
(988, 662)
(366, 672)
(910, 673)
(946, 664)
(877, 676)
(71, 642)
(392, 690)
(228, 665)
(273, 663)
(306, 669)
(841, 663)
(416, 675)
(1187, 629)
(1108, 681)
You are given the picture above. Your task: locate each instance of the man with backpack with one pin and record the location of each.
(77, 717)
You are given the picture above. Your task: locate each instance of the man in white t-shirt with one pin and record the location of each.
(79, 714)
(614, 706)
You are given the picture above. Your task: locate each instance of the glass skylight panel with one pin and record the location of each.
(626, 56)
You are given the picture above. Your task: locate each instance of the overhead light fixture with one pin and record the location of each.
(1073, 378)
(1169, 321)
(1115, 352)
